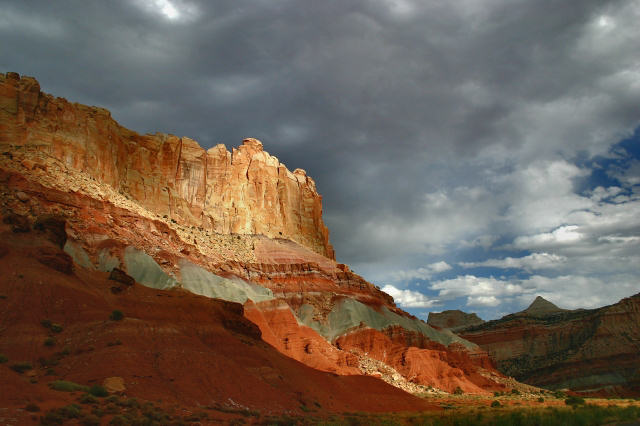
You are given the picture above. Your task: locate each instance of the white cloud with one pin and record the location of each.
(531, 262)
(489, 301)
(561, 236)
(171, 10)
(409, 298)
(420, 273)
(474, 287)
(566, 291)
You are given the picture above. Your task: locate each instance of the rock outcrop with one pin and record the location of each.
(236, 226)
(245, 191)
(587, 350)
(542, 307)
(453, 319)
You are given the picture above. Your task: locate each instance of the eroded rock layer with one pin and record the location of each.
(245, 191)
(594, 350)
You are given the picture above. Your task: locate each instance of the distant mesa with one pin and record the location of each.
(453, 319)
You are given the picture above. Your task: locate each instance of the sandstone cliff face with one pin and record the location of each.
(588, 350)
(245, 191)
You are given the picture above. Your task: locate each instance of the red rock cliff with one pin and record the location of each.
(245, 191)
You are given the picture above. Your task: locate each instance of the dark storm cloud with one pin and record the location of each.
(403, 111)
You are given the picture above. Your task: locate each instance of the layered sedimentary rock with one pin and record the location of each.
(453, 319)
(236, 226)
(245, 191)
(170, 346)
(422, 361)
(594, 350)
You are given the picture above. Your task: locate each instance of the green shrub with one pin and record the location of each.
(52, 418)
(541, 399)
(98, 391)
(56, 328)
(497, 394)
(574, 400)
(88, 399)
(114, 399)
(515, 392)
(3, 358)
(131, 403)
(458, 391)
(65, 386)
(496, 404)
(49, 341)
(21, 367)
(72, 411)
(559, 395)
(116, 315)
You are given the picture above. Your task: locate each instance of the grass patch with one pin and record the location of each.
(21, 367)
(66, 386)
(550, 416)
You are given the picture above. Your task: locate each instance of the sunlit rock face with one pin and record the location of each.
(245, 191)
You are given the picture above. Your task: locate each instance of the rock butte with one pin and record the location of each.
(453, 319)
(245, 191)
(236, 226)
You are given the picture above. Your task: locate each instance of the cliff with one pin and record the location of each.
(594, 350)
(159, 211)
(245, 191)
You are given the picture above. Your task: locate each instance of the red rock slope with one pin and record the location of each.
(172, 346)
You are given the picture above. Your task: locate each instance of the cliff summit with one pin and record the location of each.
(245, 191)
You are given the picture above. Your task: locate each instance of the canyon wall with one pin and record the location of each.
(588, 350)
(245, 191)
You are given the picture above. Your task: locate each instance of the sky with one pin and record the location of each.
(471, 154)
